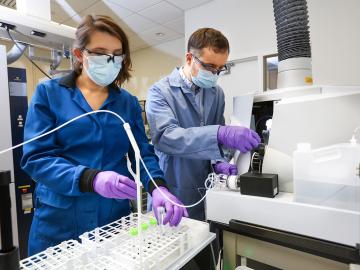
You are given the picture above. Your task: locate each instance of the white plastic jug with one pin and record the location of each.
(328, 176)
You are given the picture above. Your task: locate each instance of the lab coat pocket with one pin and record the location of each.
(55, 216)
(51, 198)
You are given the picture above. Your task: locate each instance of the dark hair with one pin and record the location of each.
(208, 38)
(89, 25)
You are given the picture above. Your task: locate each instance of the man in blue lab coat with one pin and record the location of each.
(185, 112)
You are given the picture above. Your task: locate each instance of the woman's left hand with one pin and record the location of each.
(174, 213)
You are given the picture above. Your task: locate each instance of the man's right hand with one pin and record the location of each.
(237, 137)
(113, 185)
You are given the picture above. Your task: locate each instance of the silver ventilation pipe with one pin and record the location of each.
(293, 43)
(15, 52)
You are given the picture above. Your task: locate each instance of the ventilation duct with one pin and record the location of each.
(293, 43)
(16, 52)
(8, 3)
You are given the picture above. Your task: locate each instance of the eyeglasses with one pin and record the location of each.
(116, 58)
(211, 68)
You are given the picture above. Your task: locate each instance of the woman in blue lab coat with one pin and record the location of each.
(82, 180)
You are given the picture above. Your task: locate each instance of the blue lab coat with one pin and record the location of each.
(57, 161)
(184, 139)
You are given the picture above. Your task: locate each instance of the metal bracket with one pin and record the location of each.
(54, 59)
(232, 63)
(228, 65)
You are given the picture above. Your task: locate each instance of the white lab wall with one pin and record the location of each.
(335, 41)
(152, 64)
(250, 27)
(248, 24)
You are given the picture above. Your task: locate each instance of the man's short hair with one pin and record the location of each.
(208, 38)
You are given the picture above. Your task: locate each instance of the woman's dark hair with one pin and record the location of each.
(208, 38)
(89, 25)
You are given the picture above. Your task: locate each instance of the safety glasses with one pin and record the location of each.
(116, 58)
(210, 68)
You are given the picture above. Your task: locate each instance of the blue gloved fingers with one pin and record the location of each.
(247, 133)
(221, 168)
(242, 149)
(233, 170)
(225, 168)
(256, 136)
(128, 190)
(176, 218)
(120, 194)
(169, 212)
(117, 193)
(128, 182)
(247, 146)
(253, 143)
(230, 169)
(155, 207)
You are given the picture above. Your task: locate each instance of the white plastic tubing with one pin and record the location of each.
(124, 123)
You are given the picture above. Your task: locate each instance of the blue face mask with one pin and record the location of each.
(101, 71)
(205, 79)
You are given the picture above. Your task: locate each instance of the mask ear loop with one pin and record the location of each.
(192, 63)
(83, 66)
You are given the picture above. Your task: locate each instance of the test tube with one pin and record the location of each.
(144, 228)
(161, 216)
(152, 230)
(152, 223)
(133, 234)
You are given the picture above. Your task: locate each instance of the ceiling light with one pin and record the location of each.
(37, 33)
(159, 34)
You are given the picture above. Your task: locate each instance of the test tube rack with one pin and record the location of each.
(113, 247)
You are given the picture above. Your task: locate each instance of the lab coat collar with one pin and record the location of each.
(69, 81)
(209, 97)
(175, 80)
(80, 100)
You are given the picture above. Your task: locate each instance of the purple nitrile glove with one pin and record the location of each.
(174, 213)
(225, 168)
(240, 138)
(115, 186)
